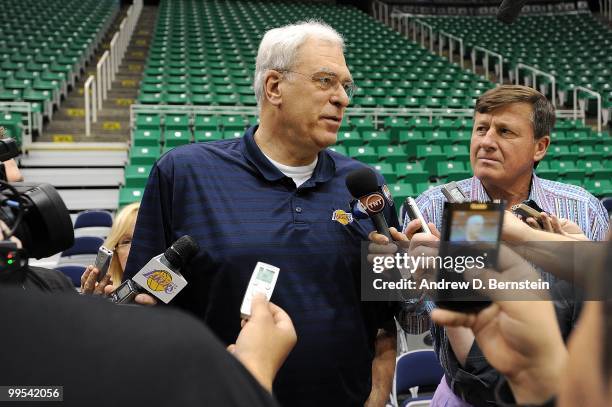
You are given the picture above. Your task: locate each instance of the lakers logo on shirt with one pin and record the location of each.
(342, 217)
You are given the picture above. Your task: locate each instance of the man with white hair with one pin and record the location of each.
(277, 195)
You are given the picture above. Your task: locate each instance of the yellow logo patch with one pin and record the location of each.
(342, 217)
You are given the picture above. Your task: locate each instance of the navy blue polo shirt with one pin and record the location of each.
(241, 209)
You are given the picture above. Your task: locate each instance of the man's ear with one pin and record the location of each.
(541, 145)
(272, 88)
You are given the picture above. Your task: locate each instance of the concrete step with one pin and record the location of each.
(76, 158)
(70, 177)
(113, 124)
(84, 199)
(80, 137)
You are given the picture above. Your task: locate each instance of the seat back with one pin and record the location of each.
(416, 368)
(93, 218)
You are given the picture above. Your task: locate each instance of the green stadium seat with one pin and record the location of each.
(452, 170)
(438, 137)
(375, 138)
(233, 123)
(350, 139)
(206, 122)
(400, 192)
(136, 176)
(418, 123)
(585, 152)
(566, 169)
(362, 123)
(144, 155)
(144, 138)
(227, 135)
(557, 137)
(561, 152)
(457, 152)
(173, 138)
(392, 154)
(176, 122)
(151, 98)
(394, 125)
(10, 95)
(430, 155)
(599, 187)
(410, 139)
(412, 172)
(130, 195)
(208, 135)
(387, 171)
(177, 98)
(11, 122)
(544, 171)
(605, 150)
(464, 124)
(595, 169)
(148, 121)
(339, 149)
(364, 154)
(423, 187)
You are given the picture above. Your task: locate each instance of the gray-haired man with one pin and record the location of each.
(278, 196)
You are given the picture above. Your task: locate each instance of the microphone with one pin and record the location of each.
(8, 149)
(363, 185)
(509, 10)
(160, 277)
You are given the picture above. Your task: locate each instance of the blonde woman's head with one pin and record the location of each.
(120, 239)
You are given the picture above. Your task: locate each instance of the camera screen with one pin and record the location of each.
(474, 226)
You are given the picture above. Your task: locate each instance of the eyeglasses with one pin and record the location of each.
(123, 244)
(327, 81)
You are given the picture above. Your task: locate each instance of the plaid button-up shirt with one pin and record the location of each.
(565, 201)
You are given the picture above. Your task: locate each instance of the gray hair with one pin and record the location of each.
(279, 47)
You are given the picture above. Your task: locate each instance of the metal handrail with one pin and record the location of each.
(380, 11)
(102, 76)
(443, 34)
(91, 115)
(488, 52)
(424, 25)
(108, 65)
(605, 8)
(534, 72)
(597, 95)
(375, 112)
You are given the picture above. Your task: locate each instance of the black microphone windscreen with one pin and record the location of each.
(509, 10)
(182, 251)
(361, 182)
(8, 149)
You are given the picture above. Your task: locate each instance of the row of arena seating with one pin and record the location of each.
(203, 53)
(43, 48)
(412, 154)
(575, 48)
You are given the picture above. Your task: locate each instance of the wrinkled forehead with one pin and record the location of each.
(515, 111)
(321, 55)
